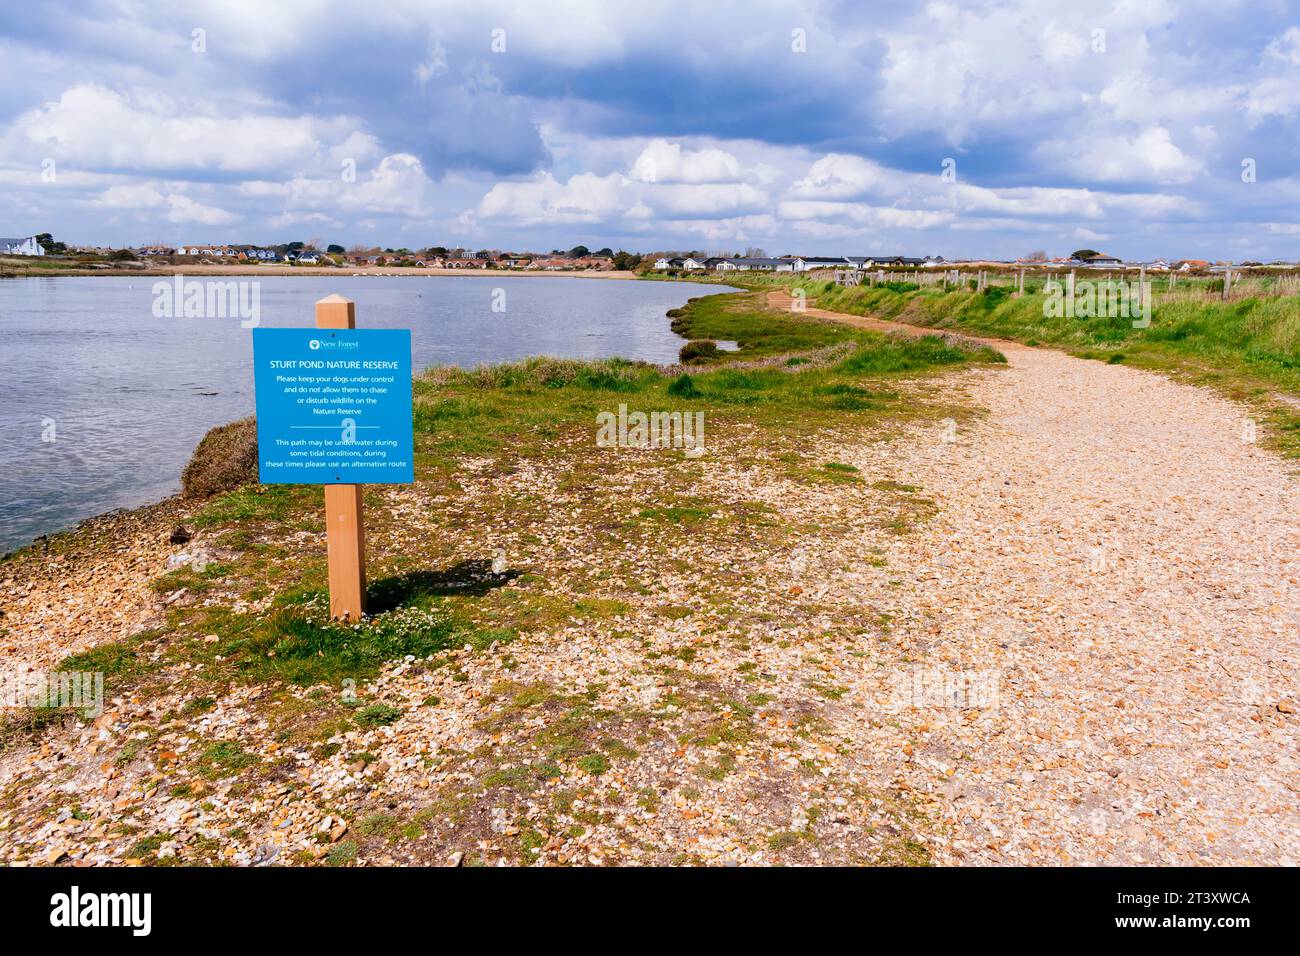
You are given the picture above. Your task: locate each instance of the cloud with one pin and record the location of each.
(1148, 156)
(864, 215)
(542, 125)
(838, 176)
(183, 209)
(174, 207)
(665, 162)
(98, 128)
(585, 198)
(396, 186)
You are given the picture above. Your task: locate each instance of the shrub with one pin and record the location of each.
(378, 715)
(683, 387)
(225, 459)
(698, 351)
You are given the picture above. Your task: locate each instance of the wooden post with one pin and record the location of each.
(1227, 282)
(1142, 285)
(345, 526)
(1022, 283)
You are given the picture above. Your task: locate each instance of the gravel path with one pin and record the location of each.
(1119, 561)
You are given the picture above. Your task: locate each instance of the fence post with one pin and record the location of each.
(344, 518)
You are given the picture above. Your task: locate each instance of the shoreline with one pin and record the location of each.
(244, 270)
(90, 522)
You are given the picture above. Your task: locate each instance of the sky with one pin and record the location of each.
(1141, 128)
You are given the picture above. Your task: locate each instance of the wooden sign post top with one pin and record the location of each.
(345, 525)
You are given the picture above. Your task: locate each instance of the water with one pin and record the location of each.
(126, 396)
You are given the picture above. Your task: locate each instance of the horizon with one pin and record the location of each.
(984, 132)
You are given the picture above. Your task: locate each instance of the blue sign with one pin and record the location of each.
(333, 406)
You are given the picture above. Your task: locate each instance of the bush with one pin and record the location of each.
(698, 351)
(683, 387)
(225, 459)
(378, 715)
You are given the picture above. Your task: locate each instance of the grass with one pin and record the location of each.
(378, 715)
(260, 615)
(1248, 348)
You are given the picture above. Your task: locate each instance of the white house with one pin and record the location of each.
(693, 263)
(808, 263)
(748, 264)
(21, 247)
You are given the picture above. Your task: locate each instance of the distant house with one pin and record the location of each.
(668, 262)
(895, 261)
(748, 264)
(308, 259)
(808, 263)
(466, 263)
(21, 247)
(1101, 259)
(1188, 265)
(694, 264)
(553, 264)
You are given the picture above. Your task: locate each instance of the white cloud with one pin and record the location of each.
(864, 215)
(97, 128)
(175, 206)
(705, 201)
(183, 209)
(585, 198)
(665, 162)
(396, 186)
(838, 176)
(1149, 156)
(433, 67)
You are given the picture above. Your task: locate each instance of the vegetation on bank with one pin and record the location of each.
(519, 525)
(792, 376)
(1247, 347)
